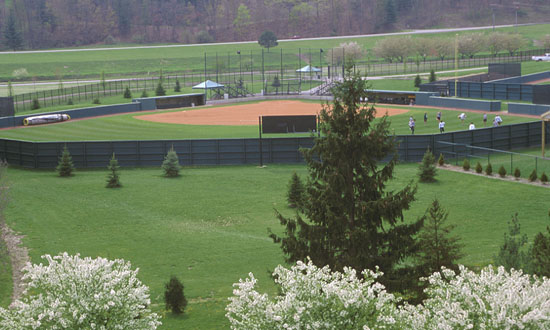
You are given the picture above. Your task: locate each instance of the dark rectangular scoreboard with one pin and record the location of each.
(289, 124)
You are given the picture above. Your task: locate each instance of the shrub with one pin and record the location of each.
(65, 166)
(174, 297)
(432, 76)
(178, 87)
(417, 81)
(96, 101)
(427, 171)
(113, 180)
(35, 104)
(543, 178)
(144, 93)
(489, 169)
(466, 164)
(296, 191)
(110, 40)
(533, 176)
(127, 93)
(70, 102)
(160, 91)
(517, 173)
(171, 165)
(502, 171)
(441, 160)
(479, 168)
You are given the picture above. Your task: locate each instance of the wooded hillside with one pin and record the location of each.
(59, 23)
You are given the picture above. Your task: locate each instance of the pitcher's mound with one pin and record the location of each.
(245, 114)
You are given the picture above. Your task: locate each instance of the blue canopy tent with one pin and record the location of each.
(308, 68)
(209, 84)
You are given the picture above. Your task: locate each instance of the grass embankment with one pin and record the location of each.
(209, 227)
(6, 285)
(127, 127)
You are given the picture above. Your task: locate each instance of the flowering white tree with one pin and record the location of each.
(80, 293)
(313, 298)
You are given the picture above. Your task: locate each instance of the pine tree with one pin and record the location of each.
(35, 104)
(510, 254)
(479, 168)
(517, 173)
(466, 164)
(437, 248)
(65, 166)
(144, 93)
(348, 219)
(543, 178)
(417, 81)
(432, 76)
(113, 179)
(427, 170)
(489, 169)
(171, 164)
(174, 297)
(178, 87)
(502, 171)
(12, 35)
(127, 93)
(539, 254)
(533, 176)
(296, 190)
(160, 91)
(441, 160)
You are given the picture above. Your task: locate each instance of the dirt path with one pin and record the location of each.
(19, 256)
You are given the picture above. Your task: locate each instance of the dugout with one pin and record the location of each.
(391, 97)
(6, 107)
(171, 101)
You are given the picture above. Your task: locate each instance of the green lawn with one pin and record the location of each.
(209, 227)
(126, 127)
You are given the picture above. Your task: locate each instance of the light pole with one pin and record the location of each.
(456, 64)
(320, 63)
(240, 66)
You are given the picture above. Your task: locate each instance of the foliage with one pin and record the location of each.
(432, 76)
(510, 254)
(502, 171)
(351, 220)
(316, 298)
(268, 40)
(113, 179)
(171, 164)
(346, 52)
(427, 170)
(539, 254)
(466, 164)
(160, 91)
(65, 165)
(177, 88)
(441, 160)
(173, 296)
(533, 176)
(479, 168)
(489, 169)
(127, 93)
(296, 191)
(242, 22)
(436, 247)
(470, 44)
(35, 104)
(76, 293)
(12, 35)
(543, 178)
(96, 101)
(393, 49)
(517, 173)
(144, 93)
(417, 81)
(203, 37)
(70, 102)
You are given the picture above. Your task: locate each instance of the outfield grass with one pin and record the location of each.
(126, 127)
(209, 227)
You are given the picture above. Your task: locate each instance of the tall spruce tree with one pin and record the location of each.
(347, 217)
(12, 35)
(65, 165)
(113, 178)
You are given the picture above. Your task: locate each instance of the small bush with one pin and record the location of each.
(127, 93)
(479, 168)
(543, 178)
(417, 81)
(144, 93)
(70, 102)
(489, 169)
(174, 297)
(178, 87)
(160, 91)
(65, 166)
(296, 191)
(517, 173)
(427, 170)
(113, 180)
(466, 164)
(502, 171)
(533, 176)
(110, 40)
(441, 160)
(35, 104)
(96, 101)
(171, 164)
(432, 76)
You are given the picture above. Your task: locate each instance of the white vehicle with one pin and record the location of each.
(546, 57)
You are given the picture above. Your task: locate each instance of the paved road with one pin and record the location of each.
(249, 42)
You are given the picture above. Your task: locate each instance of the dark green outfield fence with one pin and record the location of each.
(95, 154)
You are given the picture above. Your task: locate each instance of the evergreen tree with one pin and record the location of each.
(178, 87)
(296, 190)
(441, 160)
(174, 297)
(437, 248)
(466, 164)
(171, 164)
(489, 169)
(539, 254)
(160, 91)
(35, 104)
(510, 254)
(543, 178)
(348, 219)
(391, 17)
(113, 180)
(276, 83)
(533, 176)
(432, 76)
(427, 170)
(12, 35)
(502, 171)
(65, 166)
(517, 173)
(127, 93)
(479, 168)
(144, 93)
(267, 40)
(417, 81)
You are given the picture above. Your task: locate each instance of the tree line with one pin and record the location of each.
(58, 23)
